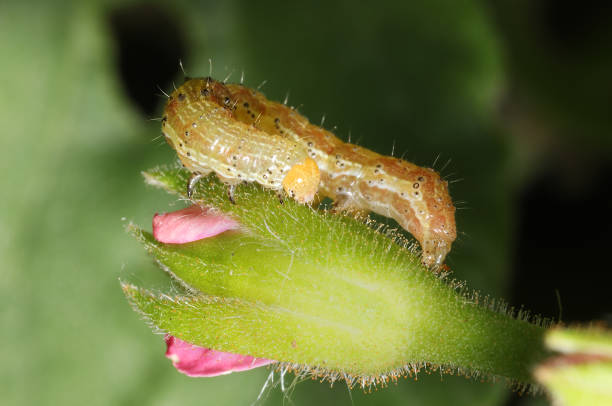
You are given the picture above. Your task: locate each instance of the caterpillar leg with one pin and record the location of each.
(231, 184)
(340, 203)
(343, 203)
(230, 192)
(193, 180)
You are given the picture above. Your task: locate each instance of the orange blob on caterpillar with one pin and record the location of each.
(214, 126)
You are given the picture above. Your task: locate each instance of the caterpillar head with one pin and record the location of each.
(441, 230)
(302, 181)
(435, 250)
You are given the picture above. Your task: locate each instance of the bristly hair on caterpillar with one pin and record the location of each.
(242, 136)
(207, 138)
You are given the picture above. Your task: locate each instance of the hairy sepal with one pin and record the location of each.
(323, 291)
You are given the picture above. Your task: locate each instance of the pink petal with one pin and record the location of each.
(190, 224)
(183, 226)
(197, 361)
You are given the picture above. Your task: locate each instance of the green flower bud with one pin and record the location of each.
(326, 294)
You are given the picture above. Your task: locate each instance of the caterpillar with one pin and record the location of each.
(199, 123)
(354, 177)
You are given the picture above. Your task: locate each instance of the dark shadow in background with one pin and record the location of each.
(563, 236)
(149, 46)
(559, 61)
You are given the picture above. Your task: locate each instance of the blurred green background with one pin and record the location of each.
(511, 100)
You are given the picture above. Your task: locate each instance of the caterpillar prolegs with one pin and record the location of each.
(240, 135)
